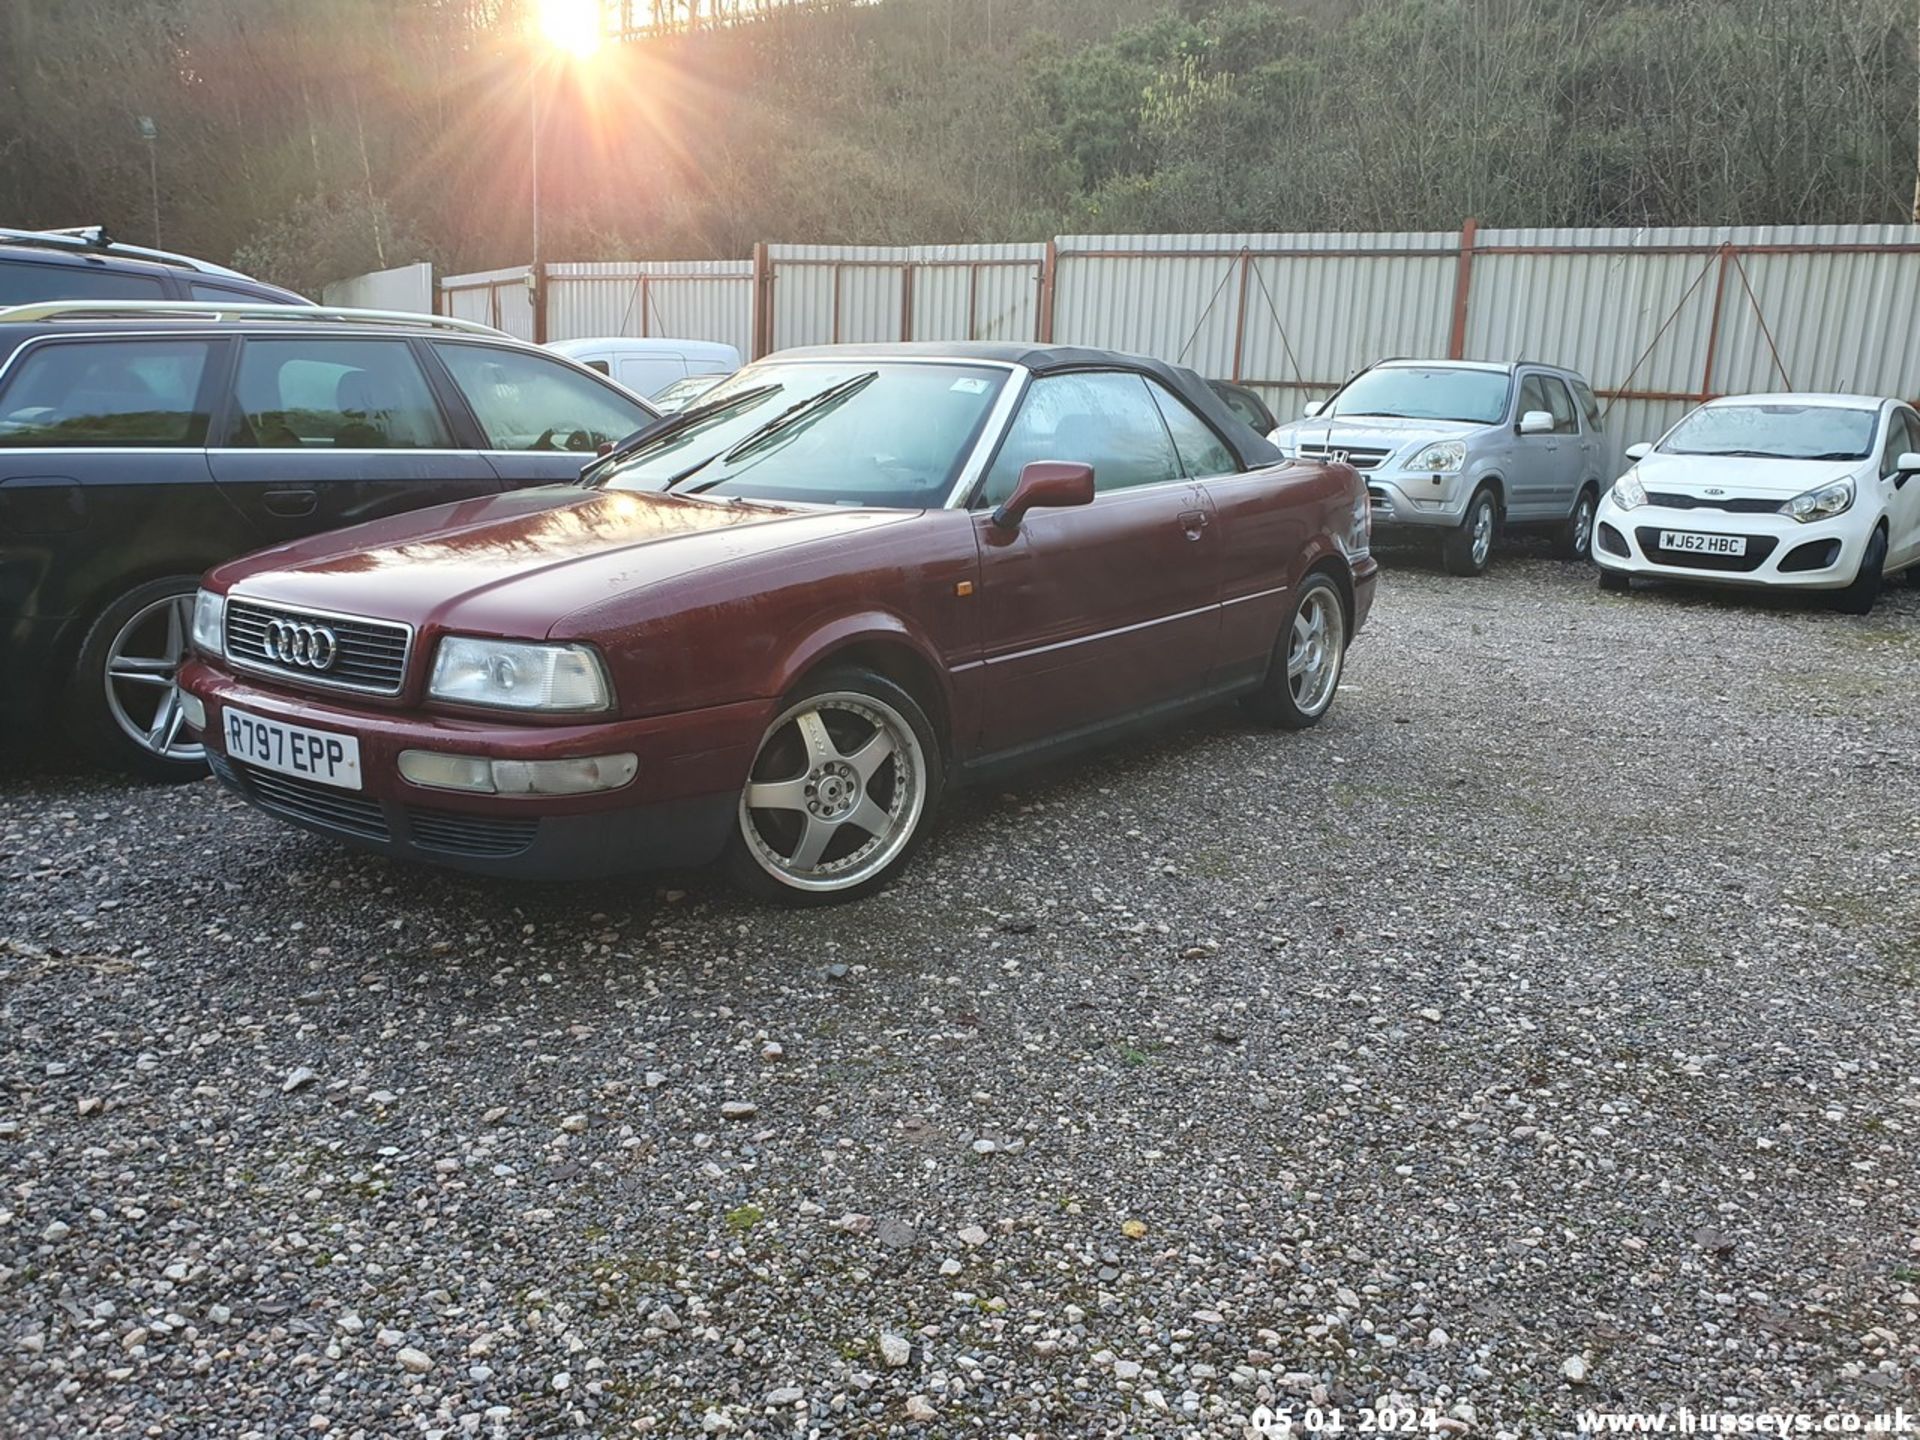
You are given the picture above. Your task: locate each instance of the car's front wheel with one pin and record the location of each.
(1859, 597)
(1469, 547)
(840, 793)
(1304, 673)
(125, 700)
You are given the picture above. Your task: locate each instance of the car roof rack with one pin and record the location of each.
(221, 311)
(94, 240)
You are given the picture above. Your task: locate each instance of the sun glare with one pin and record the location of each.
(571, 25)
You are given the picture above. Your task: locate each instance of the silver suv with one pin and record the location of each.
(1460, 448)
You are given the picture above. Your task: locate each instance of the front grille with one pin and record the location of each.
(370, 655)
(320, 805)
(486, 836)
(1360, 458)
(1759, 547)
(1673, 500)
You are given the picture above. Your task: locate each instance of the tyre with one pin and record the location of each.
(1467, 549)
(840, 793)
(1860, 597)
(123, 702)
(1304, 673)
(1616, 580)
(1574, 539)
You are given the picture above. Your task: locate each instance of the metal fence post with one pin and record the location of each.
(1462, 290)
(762, 329)
(1049, 272)
(1713, 325)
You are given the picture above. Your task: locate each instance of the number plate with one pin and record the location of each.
(293, 749)
(1687, 542)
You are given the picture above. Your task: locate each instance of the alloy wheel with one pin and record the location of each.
(1315, 651)
(836, 792)
(1482, 532)
(142, 680)
(1583, 528)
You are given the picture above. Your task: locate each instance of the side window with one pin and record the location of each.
(1583, 392)
(1201, 451)
(1533, 396)
(1900, 439)
(1105, 419)
(229, 294)
(123, 392)
(342, 394)
(527, 402)
(603, 366)
(23, 283)
(1560, 406)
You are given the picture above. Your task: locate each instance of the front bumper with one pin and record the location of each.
(677, 811)
(1404, 498)
(1780, 551)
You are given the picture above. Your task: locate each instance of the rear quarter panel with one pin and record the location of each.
(1279, 523)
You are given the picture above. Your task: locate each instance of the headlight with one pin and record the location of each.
(1819, 504)
(1443, 457)
(1628, 493)
(1283, 442)
(1360, 531)
(209, 623)
(516, 675)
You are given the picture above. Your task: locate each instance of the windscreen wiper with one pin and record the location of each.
(672, 424)
(819, 403)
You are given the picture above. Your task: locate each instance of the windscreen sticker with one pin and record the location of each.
(970, 385)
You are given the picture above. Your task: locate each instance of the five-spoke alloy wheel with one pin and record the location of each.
(126, 697)
(1304, 674)
(840, 791)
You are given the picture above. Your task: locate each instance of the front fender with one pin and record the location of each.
(820, 642)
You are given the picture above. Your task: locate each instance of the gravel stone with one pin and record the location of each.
(1650, 859)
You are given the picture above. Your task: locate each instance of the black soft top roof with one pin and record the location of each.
(1253, 450)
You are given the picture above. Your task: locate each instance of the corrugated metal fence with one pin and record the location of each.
(1656, 319)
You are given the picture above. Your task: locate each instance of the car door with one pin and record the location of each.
(1595, 462)
(1258, 540)
(1539, 488)
(103, 473)
(1097, 612)
(1903, 490)
(541, 417)
(321, 431)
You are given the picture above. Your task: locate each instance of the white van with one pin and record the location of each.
(647, 366)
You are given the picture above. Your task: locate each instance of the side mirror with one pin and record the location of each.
(1536, 422)
(1045, 484)
(1639, 451)
(1908, 463)
(1314, 407)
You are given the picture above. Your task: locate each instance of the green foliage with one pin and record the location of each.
(317, 138)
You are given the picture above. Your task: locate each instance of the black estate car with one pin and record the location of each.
(142, 444)
(90, 265)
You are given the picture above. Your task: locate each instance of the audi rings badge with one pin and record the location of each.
(303, 645)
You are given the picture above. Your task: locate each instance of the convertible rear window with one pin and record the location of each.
(889, 434)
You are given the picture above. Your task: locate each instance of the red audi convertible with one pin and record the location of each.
(776, 627)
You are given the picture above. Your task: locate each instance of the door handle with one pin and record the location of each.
(292, 504)
(1193, 522)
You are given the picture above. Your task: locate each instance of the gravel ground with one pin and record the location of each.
(1541, 1033)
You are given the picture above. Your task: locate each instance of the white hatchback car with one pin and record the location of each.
(1803, 492)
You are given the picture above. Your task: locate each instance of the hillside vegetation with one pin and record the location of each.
(316, 138)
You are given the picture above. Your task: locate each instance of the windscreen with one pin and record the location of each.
(888, 434)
